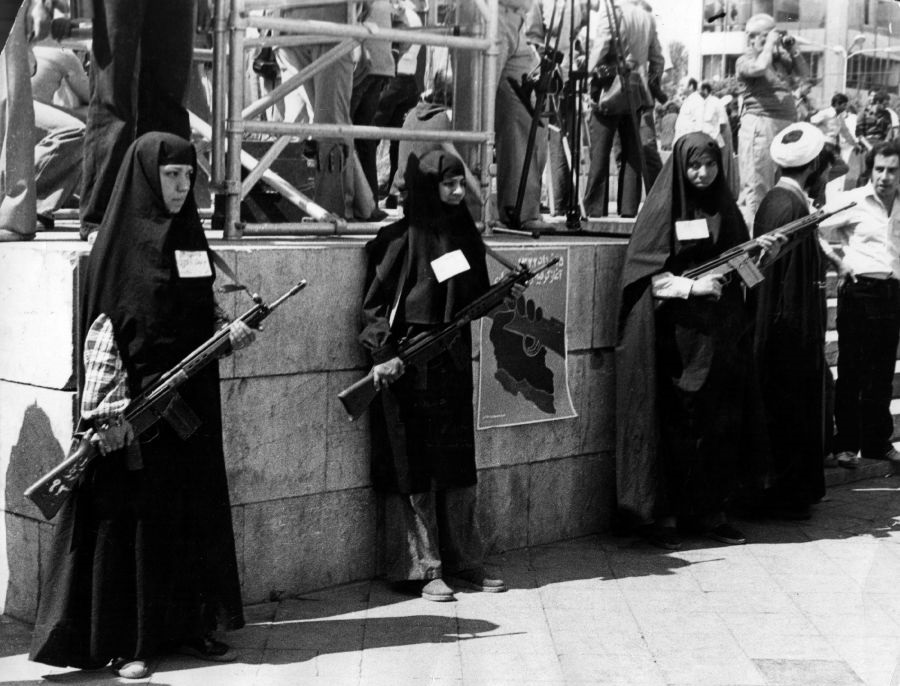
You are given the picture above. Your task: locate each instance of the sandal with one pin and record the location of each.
(208, 649)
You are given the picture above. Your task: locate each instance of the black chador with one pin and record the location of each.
(790, 352)
(686, 397)
(145, 557)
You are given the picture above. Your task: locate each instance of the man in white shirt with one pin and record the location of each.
(704, 112)
(868, 319)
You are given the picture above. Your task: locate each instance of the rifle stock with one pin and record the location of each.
(159, 401)
(358, 396)
(51, 490)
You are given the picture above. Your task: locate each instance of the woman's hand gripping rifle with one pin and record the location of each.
(159, 401)
(428, 345)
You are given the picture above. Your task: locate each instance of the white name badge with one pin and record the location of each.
(192, 264)
(448, 265)
(691, 230)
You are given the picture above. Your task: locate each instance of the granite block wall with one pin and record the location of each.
(304, 513)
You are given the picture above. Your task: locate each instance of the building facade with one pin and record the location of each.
(850, 45)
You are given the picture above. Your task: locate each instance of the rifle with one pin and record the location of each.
(160, 401)
(428, 345)
(738, 258)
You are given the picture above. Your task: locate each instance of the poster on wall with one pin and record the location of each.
(523, 375)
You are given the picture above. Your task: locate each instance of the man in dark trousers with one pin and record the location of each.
(140, 67)
(789, 344)
(868, 317)
(637, 30)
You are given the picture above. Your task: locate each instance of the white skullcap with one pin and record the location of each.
(759, 23)
(797, 145)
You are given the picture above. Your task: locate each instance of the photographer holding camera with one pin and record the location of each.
(769, 71)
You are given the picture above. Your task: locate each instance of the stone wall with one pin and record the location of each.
(305, 515)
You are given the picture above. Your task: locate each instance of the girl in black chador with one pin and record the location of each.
(688, 410)
(422, 270)
(143, 557)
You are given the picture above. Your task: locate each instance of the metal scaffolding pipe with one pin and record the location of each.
(488, 101)
(256, 173)
(281, 128)
(288, 41)
(309, 229)
(275, 181)
(289, 4)
(365, 32)
(219, 93)
(276, 94)
(234, 129)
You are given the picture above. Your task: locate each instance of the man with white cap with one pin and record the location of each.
(868, 316)
(768, 73)
(789, 341)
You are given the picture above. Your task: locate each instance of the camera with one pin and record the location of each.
(787, 41)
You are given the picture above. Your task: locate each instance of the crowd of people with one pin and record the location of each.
(722, 386)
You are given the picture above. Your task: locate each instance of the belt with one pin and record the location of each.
(876, 277)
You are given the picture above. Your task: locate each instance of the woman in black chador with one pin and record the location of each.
(422, 270)
(143, 557)
(688, 412)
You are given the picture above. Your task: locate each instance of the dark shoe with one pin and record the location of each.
(665, 537)
(437, 591)
(848, 460)
(791, 514)
(537, 225)
(207, 649)
(725, 533)
(390, 202)
(377, 215)
(893, 455)
(475, 580)
(45, 221)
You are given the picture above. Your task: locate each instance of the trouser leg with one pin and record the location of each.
(57, 156)
(868, 332)
(849, 324)
(413, 548)
(630, 174)
(876, 422)
(512, 123)
(596, 191)
(17, 187)
(112, 115)
(364, 105)
(461, 544)
(167, 49)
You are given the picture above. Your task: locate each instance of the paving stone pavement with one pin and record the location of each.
(814, 603)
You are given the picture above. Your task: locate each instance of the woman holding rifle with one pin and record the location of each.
(688, 407)
(143, 559)
(422, 270)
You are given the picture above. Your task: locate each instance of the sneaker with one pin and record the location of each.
(475, 580)
(848, 460)
(207, 649)
(391, 202)
(130, 669)
(437, 591)
(725, 533)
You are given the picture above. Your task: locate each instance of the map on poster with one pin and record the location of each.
(523, 374)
